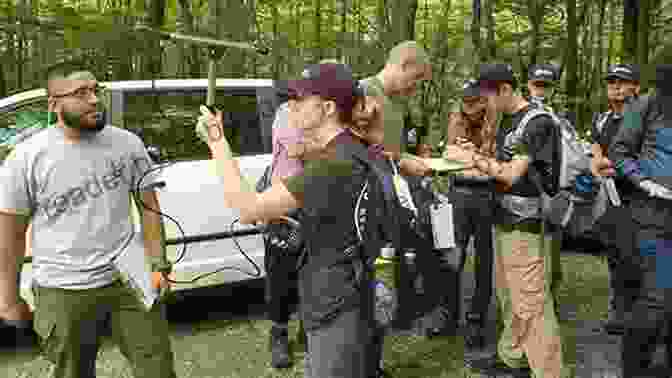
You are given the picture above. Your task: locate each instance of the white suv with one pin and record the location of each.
(163, 114)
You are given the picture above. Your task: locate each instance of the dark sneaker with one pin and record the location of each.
(474, 338)
(279, 348)
(491, 365)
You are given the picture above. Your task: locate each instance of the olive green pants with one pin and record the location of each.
(523, 274)
(70, 323)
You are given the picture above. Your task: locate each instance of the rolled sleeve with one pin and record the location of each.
(284, 165)
(143, 172)
(627, 144)
(14, 187)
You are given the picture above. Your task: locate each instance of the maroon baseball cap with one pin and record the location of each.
(328, 80)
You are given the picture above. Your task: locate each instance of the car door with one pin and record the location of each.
(193, 194)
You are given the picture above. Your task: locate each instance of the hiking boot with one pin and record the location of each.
(279, 348)
(492, 365)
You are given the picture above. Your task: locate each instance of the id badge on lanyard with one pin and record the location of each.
(443, 226)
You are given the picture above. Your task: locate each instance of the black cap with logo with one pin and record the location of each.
(470, 88)
(629, 72)
(329, 80)
(542, 72)
(493, 73)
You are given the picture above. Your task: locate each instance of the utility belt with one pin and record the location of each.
(525, 207)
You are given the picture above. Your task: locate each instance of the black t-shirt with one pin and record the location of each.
(538, 144)
(330, 188)
(610, 127)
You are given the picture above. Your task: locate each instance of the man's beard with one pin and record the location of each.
(75, 121)
(476, 117)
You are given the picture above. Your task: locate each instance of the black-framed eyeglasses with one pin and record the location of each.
(84, 93)
(542, 84)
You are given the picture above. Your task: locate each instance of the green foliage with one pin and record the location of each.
(103, 32)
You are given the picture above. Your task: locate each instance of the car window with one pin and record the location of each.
(8, 118)
(167, 120)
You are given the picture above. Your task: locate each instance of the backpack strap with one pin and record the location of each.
(601, 120)
(534, 174)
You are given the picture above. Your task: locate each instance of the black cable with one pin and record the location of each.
(138, 198)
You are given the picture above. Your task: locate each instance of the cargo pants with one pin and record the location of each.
(69, 324)
(523, 274)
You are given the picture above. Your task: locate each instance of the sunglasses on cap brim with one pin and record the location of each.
(542, 84)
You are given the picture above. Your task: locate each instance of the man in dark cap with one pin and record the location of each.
(641, 154)
(531, 338)
(622, 88)
(541, 79)
(473, 206)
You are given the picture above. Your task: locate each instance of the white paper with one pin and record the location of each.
(443, 226)
(404, 194)
(610, 186)
(136, 272)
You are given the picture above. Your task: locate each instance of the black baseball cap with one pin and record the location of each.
(333, 81)
(493, 73)
(628, 72)
(542, 72)
(470, 88)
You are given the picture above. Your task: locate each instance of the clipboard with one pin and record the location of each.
(441, 165)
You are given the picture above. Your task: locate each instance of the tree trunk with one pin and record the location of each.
(343, 41)
(277, 57)
(571, 61)
(317, 23)
(476, 39)
(3, 82)
(190, 53)
(630, 23)
(643, 26)
(491, 40)
(535, 9)
(599, 57)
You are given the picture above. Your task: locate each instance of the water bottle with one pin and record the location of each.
(385, 304)
(418, 283)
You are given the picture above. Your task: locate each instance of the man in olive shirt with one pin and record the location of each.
(407, 65)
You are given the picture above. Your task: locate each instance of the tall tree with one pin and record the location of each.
(630, 26)
(535, 13)
(571, 56)
(476, 38)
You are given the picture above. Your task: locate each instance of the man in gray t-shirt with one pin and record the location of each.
(72, 183)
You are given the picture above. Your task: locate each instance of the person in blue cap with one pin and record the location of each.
(623, 86)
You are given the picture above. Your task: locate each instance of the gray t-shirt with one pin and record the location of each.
(78, 196)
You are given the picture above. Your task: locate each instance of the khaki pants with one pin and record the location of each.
(69, 323)
(523, 270)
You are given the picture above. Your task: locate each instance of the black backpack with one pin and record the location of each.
(398, 225)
